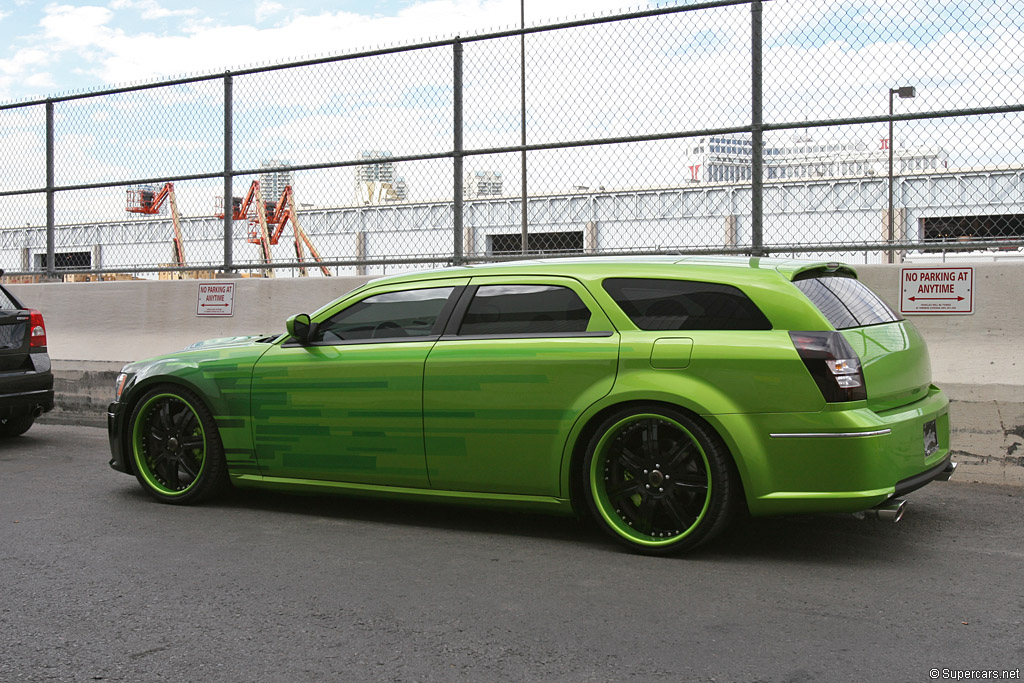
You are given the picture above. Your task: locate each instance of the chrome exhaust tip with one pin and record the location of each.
(945, 474)
(37, 411)
(889, 511)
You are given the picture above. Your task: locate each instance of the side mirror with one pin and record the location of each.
(300, 327)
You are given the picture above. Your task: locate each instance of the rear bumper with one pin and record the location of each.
(27, 390)
(846, 458)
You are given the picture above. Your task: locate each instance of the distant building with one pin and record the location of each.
(381, 171)
(376, 182)
(272, 183)
(482, 184)
(401, 191)
(728, 158)
(719, 158)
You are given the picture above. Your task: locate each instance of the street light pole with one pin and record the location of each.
(904, 92)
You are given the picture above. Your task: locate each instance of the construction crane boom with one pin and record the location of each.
(146, 199)
(263, 239)
(267, 221)
(300, 236)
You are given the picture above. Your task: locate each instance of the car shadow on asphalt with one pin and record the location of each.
(825, 539)
(432, 515)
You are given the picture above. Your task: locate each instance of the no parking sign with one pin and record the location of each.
(940, 290)
(215, 298)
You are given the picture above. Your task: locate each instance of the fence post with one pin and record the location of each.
(457, 256)
(229, 265)
(51, 267)
(757, 134)
(524, 216)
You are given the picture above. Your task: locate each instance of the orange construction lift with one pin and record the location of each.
(267, 221)
(147, 199)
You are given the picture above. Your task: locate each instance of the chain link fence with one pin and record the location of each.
(871, 132)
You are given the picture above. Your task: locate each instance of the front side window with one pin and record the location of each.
(524, 309)
(684, 305)
(410, 313)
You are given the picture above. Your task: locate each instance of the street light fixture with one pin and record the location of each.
(904, 92)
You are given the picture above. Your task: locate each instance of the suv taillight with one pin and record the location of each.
(37, 330)
(833, 364)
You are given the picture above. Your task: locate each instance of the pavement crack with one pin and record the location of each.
(145, 653)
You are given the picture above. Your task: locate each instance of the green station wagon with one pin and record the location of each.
(663, 395)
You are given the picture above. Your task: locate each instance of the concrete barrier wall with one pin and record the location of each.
(126, 320)
(978, 360)
(93, 328)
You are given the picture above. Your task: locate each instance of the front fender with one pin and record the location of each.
(221, 377)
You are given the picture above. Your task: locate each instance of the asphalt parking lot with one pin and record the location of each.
(102, 583)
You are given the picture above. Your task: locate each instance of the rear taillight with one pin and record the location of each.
(37, 330)
(833, 364)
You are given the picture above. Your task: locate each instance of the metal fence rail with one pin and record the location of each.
(883, 133)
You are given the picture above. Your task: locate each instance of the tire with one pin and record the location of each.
(16, 424)
(175, 448)
(659, 480)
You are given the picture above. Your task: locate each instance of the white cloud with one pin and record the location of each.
(39, 79)
(115, 56)
(267, 9)
(66, 27)
(149, 9)
(24, 60)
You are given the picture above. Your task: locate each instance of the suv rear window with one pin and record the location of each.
(685, 305)
(846, 302)
(6, 302)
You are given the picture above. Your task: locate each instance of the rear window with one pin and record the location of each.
(7, 303)
(685, 305)
(846, 302)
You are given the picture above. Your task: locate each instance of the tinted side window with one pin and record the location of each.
(525, 309)
(846, 302)
(394, 314)
(684, 305)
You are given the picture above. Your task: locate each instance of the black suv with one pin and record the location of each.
(26, 382)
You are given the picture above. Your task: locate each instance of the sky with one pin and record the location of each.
(824, 59)
(55, 48)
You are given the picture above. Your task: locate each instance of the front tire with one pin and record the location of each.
(176, 450)
(659, 480)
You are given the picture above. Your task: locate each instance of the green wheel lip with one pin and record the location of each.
(604, 506)
(140, 462)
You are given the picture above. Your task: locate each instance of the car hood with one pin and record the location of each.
(221, 342)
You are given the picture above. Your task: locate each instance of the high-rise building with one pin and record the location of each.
(381, 171)
(272, 183)
(482, 184)
(376, 182)
(401, 191)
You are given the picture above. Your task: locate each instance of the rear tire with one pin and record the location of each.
(16, 424)
(659, 480)
(176, 451)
